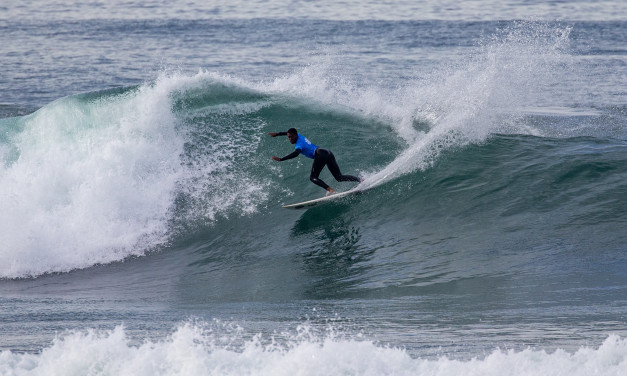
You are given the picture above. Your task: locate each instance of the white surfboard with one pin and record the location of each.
(322, 200)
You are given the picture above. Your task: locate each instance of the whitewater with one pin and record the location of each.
(141, 229)
(193, 350)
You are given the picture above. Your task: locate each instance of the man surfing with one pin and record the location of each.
(321, 157)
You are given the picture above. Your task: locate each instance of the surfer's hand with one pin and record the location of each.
(276, 159)
(272, 134)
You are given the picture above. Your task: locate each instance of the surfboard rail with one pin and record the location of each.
(322, 200)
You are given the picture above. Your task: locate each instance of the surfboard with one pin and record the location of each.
(322, 200)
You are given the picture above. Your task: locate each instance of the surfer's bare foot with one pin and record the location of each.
(330, 191)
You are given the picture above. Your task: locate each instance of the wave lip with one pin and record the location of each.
(194, 350)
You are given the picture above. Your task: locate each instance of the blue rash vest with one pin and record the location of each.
(306, 147)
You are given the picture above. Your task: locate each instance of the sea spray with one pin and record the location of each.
(222, 134)
(485, 94)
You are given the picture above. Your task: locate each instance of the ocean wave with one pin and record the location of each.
(98, 177)
(192, 349)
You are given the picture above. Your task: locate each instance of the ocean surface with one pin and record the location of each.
(141, 228)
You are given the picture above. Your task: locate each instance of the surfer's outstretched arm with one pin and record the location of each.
(294, 154)
(274, 134)
(293, 136)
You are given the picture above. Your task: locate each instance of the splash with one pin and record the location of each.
(486, 94)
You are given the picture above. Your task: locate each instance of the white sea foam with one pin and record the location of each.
(91, 182)
(88, 181)
(193, 350)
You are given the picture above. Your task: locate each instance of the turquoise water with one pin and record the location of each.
(142, 213)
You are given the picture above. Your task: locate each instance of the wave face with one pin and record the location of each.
(98, 177)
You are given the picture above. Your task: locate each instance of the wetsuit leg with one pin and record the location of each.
(319, 162)
(335, 170)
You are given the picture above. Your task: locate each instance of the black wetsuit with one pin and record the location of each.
(321, 157)
(324, 157)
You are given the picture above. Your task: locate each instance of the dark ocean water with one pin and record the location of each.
(141, 229)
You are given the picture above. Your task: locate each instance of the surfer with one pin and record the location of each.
(321, 157)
